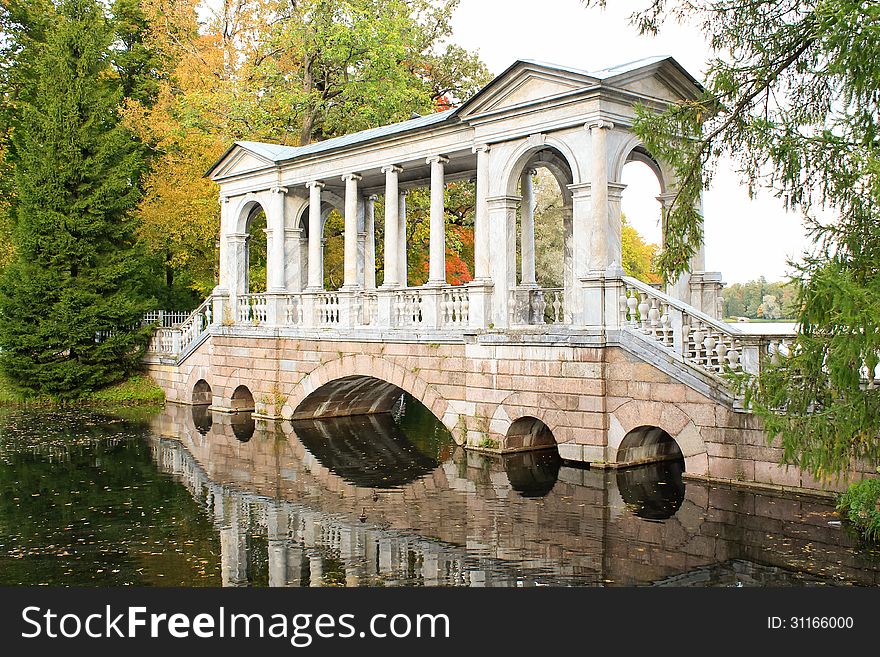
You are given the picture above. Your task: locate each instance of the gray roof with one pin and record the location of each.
(276, 153)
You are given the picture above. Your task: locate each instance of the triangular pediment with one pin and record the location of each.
(237, 160)
(664, 80)
(522, 84)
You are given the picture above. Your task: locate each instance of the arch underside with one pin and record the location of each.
(648, 444)
(349, 396)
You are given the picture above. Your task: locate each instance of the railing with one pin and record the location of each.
(252, 308)
(455, 307)
(327, 308)
(166, 318)
(707, 343)
(172, 340)
(294, 309)
(408, 308)
(367, 308)
(536, 305)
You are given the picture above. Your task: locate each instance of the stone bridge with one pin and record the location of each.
(612, 370)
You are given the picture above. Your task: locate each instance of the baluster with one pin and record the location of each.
(643, 311)
(632, 303)
(654, 319)
(665, 329)
(699, 335)
(466, 308)
(721, 350)
(709, 344)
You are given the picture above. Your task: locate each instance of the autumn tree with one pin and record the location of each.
(282, 72)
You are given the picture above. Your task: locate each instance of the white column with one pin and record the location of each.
(527, 229)
(403, 275)
(601, 227)
(481, 220)
(293, 278)
(350, 277)
(502, 215)
(225, 278)
(392, 227)
(316, 265)
(437, 251)
(275, 265)
(370, 242)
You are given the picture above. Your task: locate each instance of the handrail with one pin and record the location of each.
(678, 304)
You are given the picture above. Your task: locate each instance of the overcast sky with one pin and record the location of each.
(744, 238)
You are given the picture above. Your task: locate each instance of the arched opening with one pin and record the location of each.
(641, 215)
(333, 249)
(242, 399)
(257, 250)
(647, 444)
(654, 491)
(201, 393)
(543, 238)
(529, 433)
(350, 395)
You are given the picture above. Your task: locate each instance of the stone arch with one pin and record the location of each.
(632, 149)
(243, 211)
(357, 369)
(559, 157)
(668, 417)
(528, 432)
(527, 406)
(201, 393)
(201, 372)
(242, 399)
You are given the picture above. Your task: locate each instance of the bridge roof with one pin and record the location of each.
(276, 153)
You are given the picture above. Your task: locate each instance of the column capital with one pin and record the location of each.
(234, 238)
(373, 197)
(392, 168)
(352, 176)
(315, 183)
(599, 123)
(278, 189)
(529, 171)
(437, 159)
(223, 199)
(403, 192)
(481, 148)
(667, 198)
(580, 189)
(615, 190)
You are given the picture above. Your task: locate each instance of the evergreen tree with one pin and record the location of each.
(69, 304)
(793, 98)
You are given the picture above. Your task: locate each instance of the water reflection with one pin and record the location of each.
(202, 417)
(366, 450)
(372, 501)
(243, 425)
(533, 474)
(654, 491)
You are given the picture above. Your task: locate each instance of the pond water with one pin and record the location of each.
(188, 497)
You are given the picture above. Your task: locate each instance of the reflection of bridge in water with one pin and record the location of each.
(293, 508)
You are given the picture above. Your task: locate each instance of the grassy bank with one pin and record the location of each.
(860, 504)
(137, 390)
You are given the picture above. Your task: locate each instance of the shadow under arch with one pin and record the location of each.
(529, 433)
(349, 396)
(648, 444)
